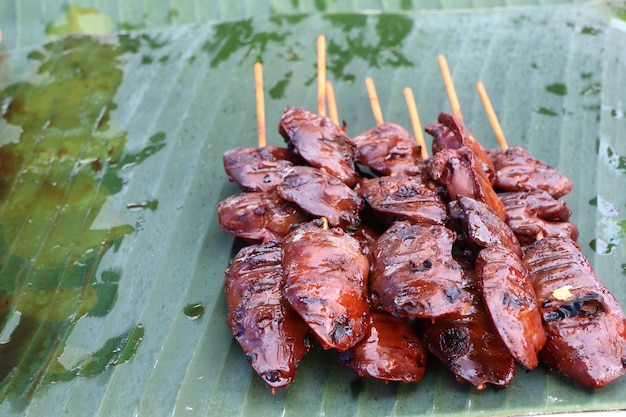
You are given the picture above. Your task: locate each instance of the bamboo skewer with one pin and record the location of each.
(447, 81)
(415, 121)
(321, 75)
(332, 103)
(260, 104)
(491, 115)
(374, 103)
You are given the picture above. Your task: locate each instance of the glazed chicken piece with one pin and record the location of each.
(272, 335)
(414, 273)
(320, 142)
(480, 227)
(402, 197)
(457, 169)
(391, 352)
(325, 277)
(450, 133)
(511, 303)
(321, 195)
(258, 216)
(260, 168)
(469, 346)
(388, 149)
(518, 171)
(584, 323)
(535, 214)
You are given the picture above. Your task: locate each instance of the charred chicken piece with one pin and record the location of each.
(469, 346)
(321, 195)
(480, 227)
(402, 197)
(450, 133)
(258, 169)
(535, 214)
(584, 323)
(457, 169)
(518, 171)
(391, 352)
(388, 149)
(414, 274)
(320, 142)
(272, 335)
(326, 283)
(511, 303)
(258, 216)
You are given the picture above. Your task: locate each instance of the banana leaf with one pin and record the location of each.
(111, 256)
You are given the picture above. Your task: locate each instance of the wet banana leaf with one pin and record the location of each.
(111, 256)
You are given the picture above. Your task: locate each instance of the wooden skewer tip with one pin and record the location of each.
(491, 115)
(321, 75)
(332, 103)
(449, 85)
(415, 121)
(374, 103)
(260, 104)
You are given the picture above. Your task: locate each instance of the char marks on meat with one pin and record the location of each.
(469, 346)
(414, 273)
(258, 216)
(518, 171)
(321, 195)
(320, 142)
(511, 303)
(388, 149)
(325, 276)
(535, 214)
(391, 352)
(584, 323)
(402, 197)
(272, 335)
(260, 168)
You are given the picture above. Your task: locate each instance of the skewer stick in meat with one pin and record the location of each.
(415, 120)
(374, 103)
(321, 75)
(332, 103)
(447, 81)
(260, 103)
(491, 115)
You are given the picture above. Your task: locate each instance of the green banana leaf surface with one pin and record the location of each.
(112, 259)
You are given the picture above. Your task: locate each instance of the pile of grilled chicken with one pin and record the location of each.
(361, 245)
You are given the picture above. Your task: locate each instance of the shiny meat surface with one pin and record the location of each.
(414, 274)
(457, 169)
(326, 283)
(258, 169)
(402, 197)
(258, 216)
(469, 346)
(450, 133)
(321, 195)
(535, 214)
(511, 303)
(320, 142)
(367, 236)
(272, 335)
(584, 323)
(388, 149)
(391, 352)
(481, 227)
(518, 171)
